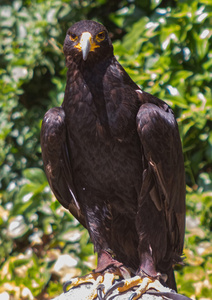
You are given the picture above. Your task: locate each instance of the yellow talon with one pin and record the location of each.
(143, 287)
(95, 279)
(129, 283)
(90, 278)
(142, 284)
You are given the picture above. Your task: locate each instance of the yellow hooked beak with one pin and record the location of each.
(86, 44)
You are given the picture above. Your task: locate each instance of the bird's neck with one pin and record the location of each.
(86, 77)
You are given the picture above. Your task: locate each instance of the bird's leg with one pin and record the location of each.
(106, 261)
(102, 278)
(108, 268)
(112, 269)
(146, 278)
(111, 266)
(95, 276)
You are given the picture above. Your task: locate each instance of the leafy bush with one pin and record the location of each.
(165, 46)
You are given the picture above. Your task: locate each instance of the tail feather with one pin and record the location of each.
(171, 283)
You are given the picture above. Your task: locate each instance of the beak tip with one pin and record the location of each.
(84, 56)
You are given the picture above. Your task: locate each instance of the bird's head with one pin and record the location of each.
(87, 41)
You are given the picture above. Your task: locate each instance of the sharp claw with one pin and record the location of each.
(132, 296)
(100, 288)
(66, 284)
(113, 288)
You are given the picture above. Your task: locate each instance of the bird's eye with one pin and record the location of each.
(72, 36)
(100, 36)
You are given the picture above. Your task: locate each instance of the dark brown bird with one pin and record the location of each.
(112, 155)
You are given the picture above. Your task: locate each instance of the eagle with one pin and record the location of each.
(112, 155)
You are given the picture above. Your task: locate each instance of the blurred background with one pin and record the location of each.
(166, 47)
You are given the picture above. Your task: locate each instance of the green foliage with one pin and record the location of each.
(165, 46)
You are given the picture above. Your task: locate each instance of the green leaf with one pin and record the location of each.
(35, 175)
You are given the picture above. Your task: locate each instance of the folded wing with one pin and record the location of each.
(164, 177)
(56, 159)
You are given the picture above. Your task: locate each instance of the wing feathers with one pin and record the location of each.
(161, 145)
(56, 161)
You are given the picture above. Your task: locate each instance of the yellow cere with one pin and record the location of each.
(86, 36)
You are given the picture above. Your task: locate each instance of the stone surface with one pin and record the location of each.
(83, 291)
